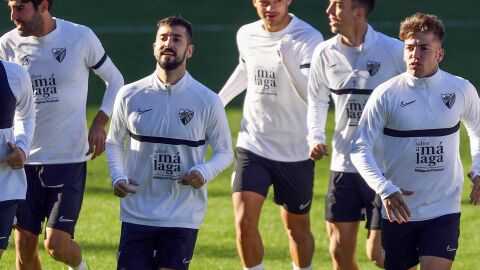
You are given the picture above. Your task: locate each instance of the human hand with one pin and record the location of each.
(318, 150)
(16, 158)
(395, 206)
(97, 135)
(122, 189)
(475, 193)
(194, 179)
(285, 45)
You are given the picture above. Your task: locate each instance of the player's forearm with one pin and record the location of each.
(115, 160)
(113, 79)
(235, 85)
(298, 77)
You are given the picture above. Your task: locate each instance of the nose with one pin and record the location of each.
(330, 9)
(416, 52)
(269, 8)
(13, 14)
(169, 42)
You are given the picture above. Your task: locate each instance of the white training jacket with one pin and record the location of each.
(17, 124)
(418, 120)
(380, 58)
(274, 111)
(59, 65)
(169, 128)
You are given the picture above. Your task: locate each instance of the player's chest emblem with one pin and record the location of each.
(373, 67)
(448, 99)
(59, 53)
(185, 115)
(24, 60)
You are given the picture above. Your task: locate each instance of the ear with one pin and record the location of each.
(43, 7)
(440, 55)
(190, 50)
(289, 2)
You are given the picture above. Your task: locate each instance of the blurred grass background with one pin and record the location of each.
(127, 31)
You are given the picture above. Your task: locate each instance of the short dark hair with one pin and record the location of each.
(36, 3)
(421, 22)
(177, 21)
(369, 5)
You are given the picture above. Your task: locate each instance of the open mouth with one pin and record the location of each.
(169, 52)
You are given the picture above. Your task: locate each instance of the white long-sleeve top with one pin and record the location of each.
(59, 65)
(17, 124)
(169, 128)
(274, 111)
(377, 60)
(417, 119)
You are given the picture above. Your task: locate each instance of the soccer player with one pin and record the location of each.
(348, 67)
(272, 148)
(58, 56)
(16, 109)
(416, 116)
(169, 119)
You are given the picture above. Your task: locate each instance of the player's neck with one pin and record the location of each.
(170, 76)
(356, 36)
(49, 24)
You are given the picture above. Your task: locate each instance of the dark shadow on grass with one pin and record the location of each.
(99, 190)
(230, 252)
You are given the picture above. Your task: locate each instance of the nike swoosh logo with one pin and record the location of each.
(185, 261)
(450, 249)
(3, 237)
(61, 219)
(139, 111)
(402, 104)
(331, 66)
(303, 206)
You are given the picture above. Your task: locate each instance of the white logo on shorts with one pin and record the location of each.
(61, 219)
(185, 261)
(303, 206)
(3, 237)
(450, 249)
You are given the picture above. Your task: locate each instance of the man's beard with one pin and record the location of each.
(171, 64)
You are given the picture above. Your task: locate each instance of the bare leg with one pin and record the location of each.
(247, 207)
(301, 239)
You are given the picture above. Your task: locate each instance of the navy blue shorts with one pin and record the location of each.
(350, 199)
(54, 192)
(147, 247)
(292, 181)
(7, 215)
(405, 243)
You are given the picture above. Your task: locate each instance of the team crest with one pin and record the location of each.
(185, 115)
(59, 53)
(373, 67)
(448, 99)
(24, 60)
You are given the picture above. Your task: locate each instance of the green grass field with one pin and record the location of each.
(127, 29)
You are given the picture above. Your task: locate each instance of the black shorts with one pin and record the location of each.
(7, 215)
(54, 192)
(292, 181)
(147, 247)
(405, 243)
(350, 199)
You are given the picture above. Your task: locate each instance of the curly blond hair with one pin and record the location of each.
(421, 22)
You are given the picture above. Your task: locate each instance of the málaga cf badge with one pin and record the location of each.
(373, 67)
(59, 53)
(185, 115)
(448, 99)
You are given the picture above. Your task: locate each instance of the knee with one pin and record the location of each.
(299, 230)
(246, 228)
(57, 248)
